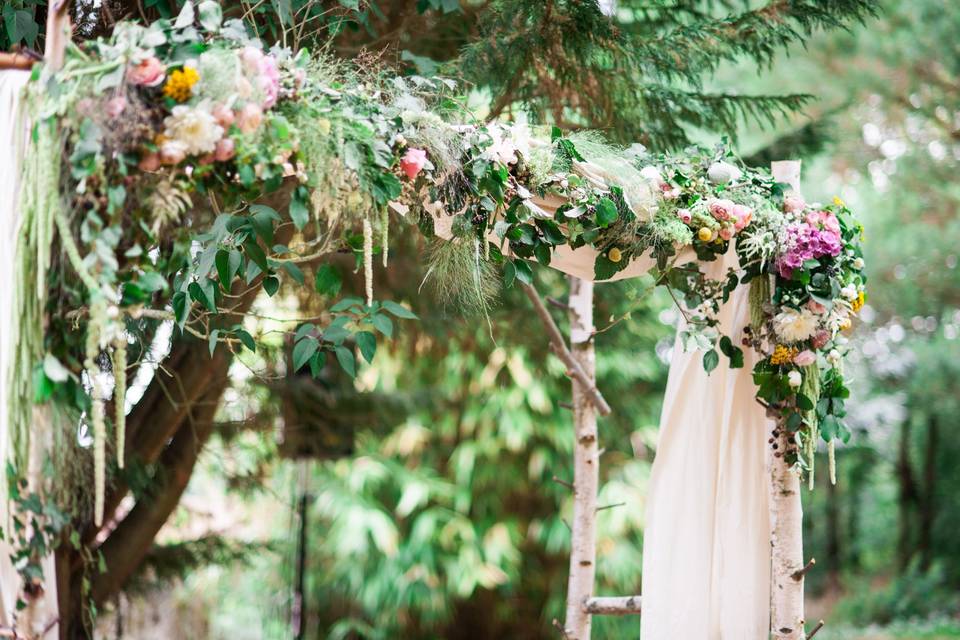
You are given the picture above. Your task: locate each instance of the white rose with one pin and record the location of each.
(849, 292)
(858, 263)
(795, 378)
(723, 172)
(833, 357)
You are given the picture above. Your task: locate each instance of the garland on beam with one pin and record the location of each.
(168, 134)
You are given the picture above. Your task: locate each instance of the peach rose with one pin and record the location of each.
(148, 73)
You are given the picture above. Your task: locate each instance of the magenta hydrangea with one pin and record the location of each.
(817, 237)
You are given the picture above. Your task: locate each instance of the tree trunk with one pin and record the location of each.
(928, 507)
(786, 512)
(906, 496)
(585, 465)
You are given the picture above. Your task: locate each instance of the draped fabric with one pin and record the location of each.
(37, 617)
(706, 547)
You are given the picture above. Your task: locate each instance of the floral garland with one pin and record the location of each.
(169, 134)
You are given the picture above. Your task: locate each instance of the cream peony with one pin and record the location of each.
(794, 325)
(195, 127)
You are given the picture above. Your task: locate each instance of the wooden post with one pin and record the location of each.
(786, 512)
(585, 465)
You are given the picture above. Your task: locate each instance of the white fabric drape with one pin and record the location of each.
(12, 138)
(706, 547)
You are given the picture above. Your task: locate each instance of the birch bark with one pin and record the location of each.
(786, 512)
(585, 465)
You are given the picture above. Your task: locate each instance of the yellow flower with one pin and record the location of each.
(179, 85)
(845, 324)
(857, 303)
(615, 255)
(837, 201)
(783, 355)
(705, 234)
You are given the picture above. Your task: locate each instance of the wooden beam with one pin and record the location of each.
(618, 606)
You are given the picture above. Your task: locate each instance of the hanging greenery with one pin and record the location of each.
(152, 151)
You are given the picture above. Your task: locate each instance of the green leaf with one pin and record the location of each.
(223, 268)
(367, 343)
(524, 272)
(303, 330)
(399, 310)
(295, 272)
(180, 308)
(198, 295)
(316, 363)
(20, 26)
(347, 360)
(256, 254)
(735, 354)
(710, 360)
(299, 213)
(303, 351)
(212, 340)
(328, 280)
(271, 284)
(383, 324)
(262, 220)
(606, 212)
(245, 339)
(509, 274)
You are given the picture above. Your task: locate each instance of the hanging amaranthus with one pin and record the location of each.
(368, 259)
(95, 329)
(385, 237)
(119, 394)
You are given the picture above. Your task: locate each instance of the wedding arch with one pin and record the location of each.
(176, 171)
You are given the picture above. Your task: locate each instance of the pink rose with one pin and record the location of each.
(820, 339)
(249, 118)
(269, 81)
(805, 358)
(224, 150)
(149, 162)
(413, 161)
(172, 152)
(824, 220)
(224, 115)
(816, 307)
(251, 57)
(726, 233)
(721, 209)
(742, 215)
(148, 73)
(685, 215)
(793, 204)
(115, 106)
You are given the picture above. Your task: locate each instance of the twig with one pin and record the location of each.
(559, 347)
(565, 405)
(815, 630)
(610, 506)
(563, 482)
(559, 627)
(799, 573)
(559, 304)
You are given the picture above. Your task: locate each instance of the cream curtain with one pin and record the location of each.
(39, 617)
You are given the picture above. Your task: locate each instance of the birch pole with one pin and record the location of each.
(585, 465)
(786, 512)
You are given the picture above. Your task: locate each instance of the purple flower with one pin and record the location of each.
(806, 242)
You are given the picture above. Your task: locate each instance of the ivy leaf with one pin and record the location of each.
(303, 351)
(383, 324)
(347, 360)
(710, 360)
(367, 343)
(328, 280)
(399, 310)
(734, 353)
